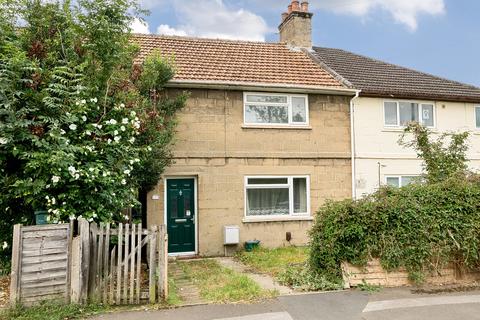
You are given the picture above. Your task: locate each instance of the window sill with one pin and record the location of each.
(403, 129)
(251, 126)
(277, 219)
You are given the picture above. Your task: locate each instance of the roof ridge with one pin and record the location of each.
(330, 70)
(398, 66)
(152, 35)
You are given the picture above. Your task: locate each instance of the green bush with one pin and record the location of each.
(421, 227)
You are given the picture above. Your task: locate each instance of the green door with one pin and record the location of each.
(181, 215)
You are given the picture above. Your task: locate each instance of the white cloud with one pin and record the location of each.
(139, 26)
(166, 30)
(214, 19)
(403, 11)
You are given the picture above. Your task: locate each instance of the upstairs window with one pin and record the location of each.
(399, 114)
(275, 109)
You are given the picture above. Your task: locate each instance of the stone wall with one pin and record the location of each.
(374, 274)
(216, 148)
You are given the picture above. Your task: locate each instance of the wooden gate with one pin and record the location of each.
(120, 264)
(40, 263)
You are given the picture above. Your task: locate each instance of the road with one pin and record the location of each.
(391, 304)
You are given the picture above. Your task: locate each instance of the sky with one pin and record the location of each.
(441, 37)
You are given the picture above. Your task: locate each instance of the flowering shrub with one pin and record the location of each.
(83, 130)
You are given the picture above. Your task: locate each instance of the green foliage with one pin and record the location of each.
(223, 285)
(82, 128)
(442, 158)
(302, 277)
(421, 227)
(273, 261)
(51, 311)
(364, 286)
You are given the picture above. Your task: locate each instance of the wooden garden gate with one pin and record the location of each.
(113, 264)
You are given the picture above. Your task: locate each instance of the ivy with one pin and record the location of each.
(421, 227)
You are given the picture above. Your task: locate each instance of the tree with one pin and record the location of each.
(82, 128)
(442, 158)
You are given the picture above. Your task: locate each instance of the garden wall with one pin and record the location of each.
(374, 274)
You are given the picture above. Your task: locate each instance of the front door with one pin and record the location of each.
(181, 215)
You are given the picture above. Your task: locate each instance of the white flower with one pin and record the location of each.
(137, 160)
(88, 132)
(73, 126)
(127, 172)
(125, 120)
(131, 140)
(94, 100)
(149, 148)
(77, 176)
(117, 138)
(55, 179)
(5, 245)
(72, 170)
(115, 133)
(3, 140)
(62, 132)
(84, 118)
(109, 141)
(133, 113)
(124, 181)
(112, 121)
(122, 128)
(122, 105)
(91, 169)
(54, 201)
(84, 101)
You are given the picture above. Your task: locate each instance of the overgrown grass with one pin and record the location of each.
(52, 311)
(173, 298)
(222, 285)
(273, 261)
(289, 266)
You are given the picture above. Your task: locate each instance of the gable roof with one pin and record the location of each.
(230, 62)
(380, 79)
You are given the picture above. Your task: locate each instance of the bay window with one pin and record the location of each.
(277, 196)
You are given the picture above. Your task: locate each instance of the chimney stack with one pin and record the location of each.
(296, 27)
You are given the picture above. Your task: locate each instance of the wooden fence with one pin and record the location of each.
(40, 263)
(112, 264)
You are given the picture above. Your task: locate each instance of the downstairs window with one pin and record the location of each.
(277, 196)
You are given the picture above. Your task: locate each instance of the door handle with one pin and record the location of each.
(180, 220)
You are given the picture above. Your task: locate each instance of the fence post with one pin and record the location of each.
(152, 265)
(75, 271)
(15, 274)
(162, 263)
(84, 250)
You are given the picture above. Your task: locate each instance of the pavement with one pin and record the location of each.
(392, 304)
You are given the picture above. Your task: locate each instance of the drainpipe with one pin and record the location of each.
(352, 141)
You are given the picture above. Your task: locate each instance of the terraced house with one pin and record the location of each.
(263, 141)
(273, 130)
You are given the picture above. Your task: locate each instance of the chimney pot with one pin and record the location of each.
(284, 16)
(289, 9)
(305, 6)
(295, 5)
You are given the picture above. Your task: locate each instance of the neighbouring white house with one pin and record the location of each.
(389, 97)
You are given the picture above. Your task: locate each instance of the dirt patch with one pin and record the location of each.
(447, 288)
(4, 291)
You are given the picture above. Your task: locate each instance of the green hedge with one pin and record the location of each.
(420, 227)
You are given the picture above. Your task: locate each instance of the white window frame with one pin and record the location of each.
(279, 186)
(400, 178)
(475, 108)
(420, 108)
(289, 104)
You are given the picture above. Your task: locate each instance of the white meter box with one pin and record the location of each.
(231, 235)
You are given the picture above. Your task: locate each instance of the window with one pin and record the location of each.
(277, 196)
(400, 181)
(275, 109)
(399, 114)
(477, 117)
